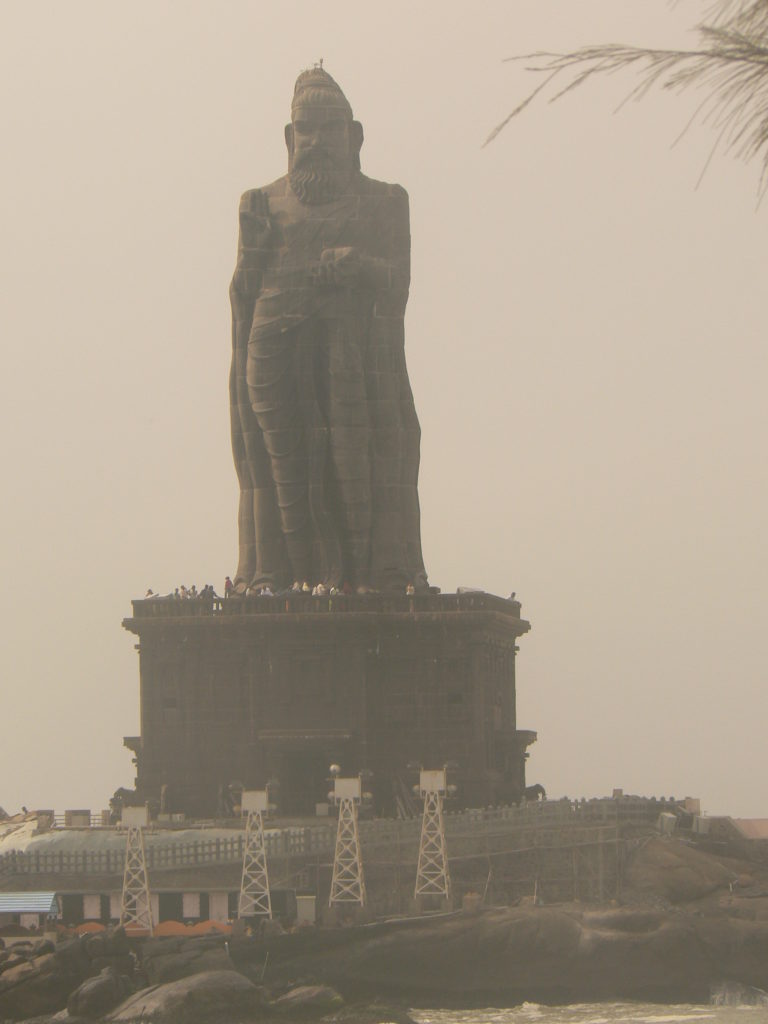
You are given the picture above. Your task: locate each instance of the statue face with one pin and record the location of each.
(321, 152)
(321, 139)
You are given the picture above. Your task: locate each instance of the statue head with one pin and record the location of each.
(323, 139)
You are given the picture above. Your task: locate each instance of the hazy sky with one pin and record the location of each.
(585, 337)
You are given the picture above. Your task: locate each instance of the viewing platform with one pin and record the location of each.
(296, 605)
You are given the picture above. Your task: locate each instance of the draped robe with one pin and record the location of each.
(325, 435)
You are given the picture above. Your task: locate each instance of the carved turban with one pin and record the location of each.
(317, 87)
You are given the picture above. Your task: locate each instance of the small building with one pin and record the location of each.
(28, 909)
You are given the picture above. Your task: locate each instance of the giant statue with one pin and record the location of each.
(324, 430)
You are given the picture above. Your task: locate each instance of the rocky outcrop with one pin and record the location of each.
(674, 872)
(212, 996)
(22, 952)
(35, 987)
(502, 957)
(96, 996)
(538, 954)
(38, 979)
(171, 959)
(308, 1000)
(698, 924)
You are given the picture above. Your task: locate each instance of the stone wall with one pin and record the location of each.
(252, 690)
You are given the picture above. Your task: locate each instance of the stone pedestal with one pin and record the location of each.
(246, 691)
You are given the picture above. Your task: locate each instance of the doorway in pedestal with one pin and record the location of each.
(302, 782)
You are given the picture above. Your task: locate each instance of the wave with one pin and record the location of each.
(735, 994)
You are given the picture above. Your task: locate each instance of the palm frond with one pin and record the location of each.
(740, 15)
(730, 66)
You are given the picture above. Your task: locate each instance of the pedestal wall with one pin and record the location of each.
(246, 691)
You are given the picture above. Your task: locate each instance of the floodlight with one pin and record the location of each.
(432, 781)
(347, 789)
(134, 817)
(254, 800)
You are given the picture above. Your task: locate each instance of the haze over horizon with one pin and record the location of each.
(585, 341)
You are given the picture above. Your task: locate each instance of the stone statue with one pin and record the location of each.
(324, 430)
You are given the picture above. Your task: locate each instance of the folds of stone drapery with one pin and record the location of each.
(261, 547)
(345, 408)
(395, 445)
(328, 472)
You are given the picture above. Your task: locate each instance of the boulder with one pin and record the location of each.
(105, 944)
(212, 996)
(40, 981)
(675, 872)
(536, 954)
(73, 957)
(123, 964)
(35, 987)
(23, 945)
(13, 960)
(308, 1000)
(166, 944)
(170, 959)
(96, 996)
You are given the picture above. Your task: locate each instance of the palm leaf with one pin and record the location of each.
(730, 67)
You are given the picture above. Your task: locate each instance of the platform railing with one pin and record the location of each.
(298, 602)
(466, 827)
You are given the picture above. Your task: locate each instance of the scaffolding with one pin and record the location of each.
(254, 900)
(348, 882)
(433, 877)
(135, 906)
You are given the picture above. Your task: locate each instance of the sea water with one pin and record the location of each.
(599, 1013)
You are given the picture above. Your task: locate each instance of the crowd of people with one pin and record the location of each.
(183, 593)
(318, 590)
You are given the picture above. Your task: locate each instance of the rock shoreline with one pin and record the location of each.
(496, 957)
(693, 925)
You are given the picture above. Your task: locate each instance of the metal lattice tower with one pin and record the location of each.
(254, 888)
(348, 883)
(135, 907)
(432, 875)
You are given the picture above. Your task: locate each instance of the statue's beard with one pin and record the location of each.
(318, 180)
